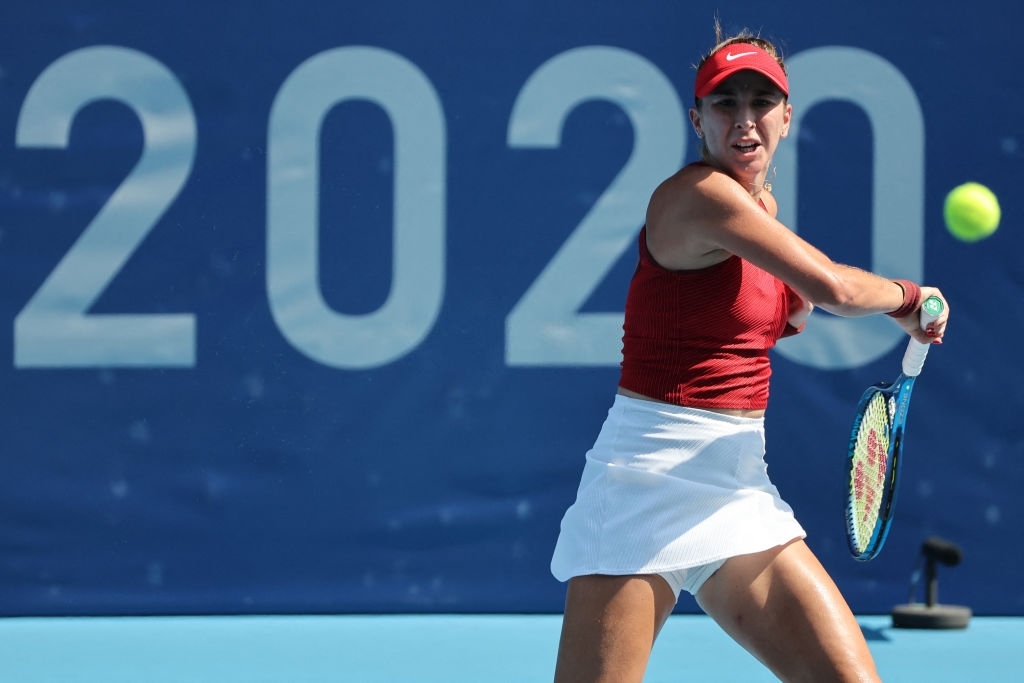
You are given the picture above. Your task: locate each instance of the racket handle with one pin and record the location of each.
(913, 359)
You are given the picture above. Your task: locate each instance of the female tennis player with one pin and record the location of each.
(674, 494)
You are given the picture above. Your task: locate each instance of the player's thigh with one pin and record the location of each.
(782, 606)
(609, 626)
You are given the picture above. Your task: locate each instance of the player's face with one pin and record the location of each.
(742, 121)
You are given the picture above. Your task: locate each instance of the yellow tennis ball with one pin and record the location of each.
(971, 212)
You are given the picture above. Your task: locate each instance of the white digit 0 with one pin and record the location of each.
(414, 300)
(897, 217)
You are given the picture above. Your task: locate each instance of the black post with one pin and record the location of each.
(932, 579)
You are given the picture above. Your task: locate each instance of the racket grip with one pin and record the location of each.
(913, 358)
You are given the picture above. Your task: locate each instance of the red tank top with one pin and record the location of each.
(700, 338)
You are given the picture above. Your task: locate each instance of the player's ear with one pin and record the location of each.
(695, 121)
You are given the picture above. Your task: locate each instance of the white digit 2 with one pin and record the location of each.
(545, 327)
(54, 329)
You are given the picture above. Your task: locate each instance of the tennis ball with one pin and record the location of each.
(971, 212)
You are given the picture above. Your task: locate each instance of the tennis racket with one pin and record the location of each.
(876, 441)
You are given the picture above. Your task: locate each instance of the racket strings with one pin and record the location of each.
(870, 462)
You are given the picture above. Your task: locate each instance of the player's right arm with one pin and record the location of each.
(701, 215)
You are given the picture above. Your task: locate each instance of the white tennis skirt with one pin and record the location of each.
(667, 488)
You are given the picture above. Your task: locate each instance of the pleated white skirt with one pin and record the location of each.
(667, 488)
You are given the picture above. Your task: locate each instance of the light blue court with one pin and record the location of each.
(441, 649)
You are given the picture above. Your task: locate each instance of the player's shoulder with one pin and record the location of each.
(696, 184)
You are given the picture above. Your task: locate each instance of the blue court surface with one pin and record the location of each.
(442, 649)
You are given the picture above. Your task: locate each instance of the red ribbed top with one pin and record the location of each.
(700, 338)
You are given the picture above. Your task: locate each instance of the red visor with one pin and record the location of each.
(738, 57)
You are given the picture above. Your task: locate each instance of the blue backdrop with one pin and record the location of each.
(315, 306)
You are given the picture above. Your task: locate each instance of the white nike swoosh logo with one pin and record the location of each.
(730, 56)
